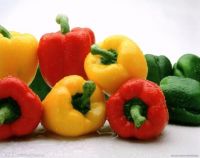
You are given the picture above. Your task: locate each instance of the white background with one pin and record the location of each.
(168, 27)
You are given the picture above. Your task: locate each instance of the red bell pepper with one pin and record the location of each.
(63, 53)
(20, 108)
(138, 109)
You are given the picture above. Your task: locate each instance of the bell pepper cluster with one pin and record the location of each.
(62, 80)
(180, 84)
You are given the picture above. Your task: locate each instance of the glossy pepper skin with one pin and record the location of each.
(188, 65)
(20, 108)
(18, 55)
(137, 110)
(114, 61)
(183, 99)
(63, 53)
(158, 67)
(39, 86)
(63, 110)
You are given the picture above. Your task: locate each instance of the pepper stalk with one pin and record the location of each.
(136, 115)
(107, 56)
(81, 102)
(9, 111)
(64, 23)
(5, 32)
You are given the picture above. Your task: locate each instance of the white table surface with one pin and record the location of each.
(168, 27)
(175, 141)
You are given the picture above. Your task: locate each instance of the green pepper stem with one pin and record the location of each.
(136, 115)
(6, 113)
(64, 23)
(5, 32)
(109, 56)
(88, 89)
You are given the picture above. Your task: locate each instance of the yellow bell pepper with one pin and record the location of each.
(114, 61)
(74, 107)
(18, 55)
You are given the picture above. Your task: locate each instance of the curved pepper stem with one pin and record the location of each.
(81, 101)
(136, 115)
(107, 56)
(64, 23)
(5, 32)
(88, 89)
(7, 114)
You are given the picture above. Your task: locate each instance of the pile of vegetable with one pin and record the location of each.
(62, 80)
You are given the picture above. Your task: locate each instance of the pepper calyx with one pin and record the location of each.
(9, 111)
(107, 56)
(135, 111)
(81, 101)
